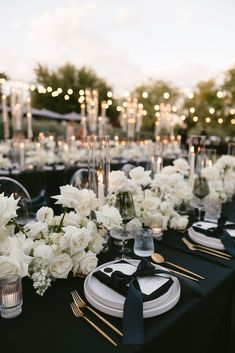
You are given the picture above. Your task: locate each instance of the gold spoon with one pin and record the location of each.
(159, 259)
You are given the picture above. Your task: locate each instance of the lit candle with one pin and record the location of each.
(100, 190)
(192, 166)
(159, 164)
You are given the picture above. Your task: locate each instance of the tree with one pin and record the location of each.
(155, 91)
(68, 77)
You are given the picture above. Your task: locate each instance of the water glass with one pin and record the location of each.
(11, 298)
(144, 245)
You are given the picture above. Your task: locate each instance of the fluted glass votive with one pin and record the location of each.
(11, 298)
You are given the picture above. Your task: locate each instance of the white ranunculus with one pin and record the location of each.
(36, 230)
(83, 201)
(96, 245)
(75, 239)
(44, 252)
(86, 263)
(45, 215)
(9, 266)
(181, 166)
(179, 222)
(109, 216)
(118, 182)
(140, 176)
(8, 208)
(61, 266)
(72, 219)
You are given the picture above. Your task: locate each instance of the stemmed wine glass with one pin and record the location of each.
(200, 190)
(125, 205)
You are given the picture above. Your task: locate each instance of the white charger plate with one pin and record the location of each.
(100, 296)
(202, 239)
(98, 290)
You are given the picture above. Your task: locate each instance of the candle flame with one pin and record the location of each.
(192, 149)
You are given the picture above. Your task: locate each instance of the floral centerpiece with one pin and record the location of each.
(51, 246)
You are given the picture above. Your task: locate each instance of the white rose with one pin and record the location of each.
(96, 245)
(86, 263)
(181, 166)
(109, 216)
(44, 252)
(35, 230)
(83, 201)
(61, 266)
(9, 266)
(8, 208)
(75, 239)
(118, 182)
(166, 207)
(150, 202)
(45, 215)
(168, 170)
(23, 259)
(133, 226)
(179, 222)
(140, 176)
(72, 219)
(211, 173)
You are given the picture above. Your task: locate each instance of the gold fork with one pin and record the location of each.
(193, 247)
(78, 313)
(80, 303)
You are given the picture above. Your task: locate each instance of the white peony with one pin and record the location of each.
(44, 252)
(211, 173)
(109, 216)
(83, 201)
(61, 266)
(168, 170)
(140, 176)
(85, 263)
(36, 230)
(75, 239)
(150, 203)
(45, 215)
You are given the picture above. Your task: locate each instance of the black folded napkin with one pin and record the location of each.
(128, 286)
(220, 231)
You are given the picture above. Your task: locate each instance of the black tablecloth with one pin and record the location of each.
(202, 321)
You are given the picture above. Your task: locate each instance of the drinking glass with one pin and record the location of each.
(10, 296)
(200, 191)
(125, 205)
(144, 245)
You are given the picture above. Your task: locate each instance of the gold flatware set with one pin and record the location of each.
(207, 250)
(79, 303)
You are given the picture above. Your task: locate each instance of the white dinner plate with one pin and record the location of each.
(110, 302)
(203, 239)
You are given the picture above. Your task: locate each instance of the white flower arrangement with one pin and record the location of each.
(51, 246)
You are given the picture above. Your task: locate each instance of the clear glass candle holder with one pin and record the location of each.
(11, 298)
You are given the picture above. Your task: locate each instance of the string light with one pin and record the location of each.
(157, 107)
(49, 89)
(220, 94)
(192, 110)
(81, 99)
(70, 91)
(81, 92)
(145, 94)
(59, 90)
(166, 95)
(208, 120)
(233, 121)
(66, 97)
(212, 111)
(220, 121)
(109, 102)
(119, 108)
(190, 95)
(174, 109)
(157, 114)
(195, 118)
(109, 94)
(232, 111)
